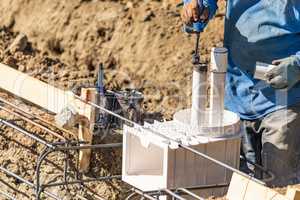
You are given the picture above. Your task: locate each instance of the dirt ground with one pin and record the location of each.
(140, 43)
(62, 42)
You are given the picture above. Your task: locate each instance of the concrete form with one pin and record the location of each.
(152, 162)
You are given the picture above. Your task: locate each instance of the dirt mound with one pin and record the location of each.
(140, 43)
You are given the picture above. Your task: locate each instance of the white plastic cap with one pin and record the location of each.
(219, 59)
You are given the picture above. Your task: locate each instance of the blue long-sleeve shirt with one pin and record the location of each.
(259, 30)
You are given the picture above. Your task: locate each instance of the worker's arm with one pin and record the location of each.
(191, 11)
(286, 74)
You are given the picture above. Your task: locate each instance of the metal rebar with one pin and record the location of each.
(143, 194)
(182, 191)
(26, 182)
(69, 142)
(131, 196)
(173, 194)
(95, 146)
(39, 188)
(37, 117)
(66, 166)
(77, 173)
(83, 181)
(16, 176)
(190, 193)
(26, 133)
(33, 122)
(7, 195)
(207, 186)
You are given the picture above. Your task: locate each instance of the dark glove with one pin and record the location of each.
(286, 74)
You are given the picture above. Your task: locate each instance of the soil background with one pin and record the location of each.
(141, 44)
(62, 42)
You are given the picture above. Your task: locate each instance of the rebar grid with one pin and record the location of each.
(64, 146)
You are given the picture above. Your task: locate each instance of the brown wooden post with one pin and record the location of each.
(86, 127)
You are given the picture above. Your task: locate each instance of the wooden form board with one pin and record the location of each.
(38, 92)
(51, 99)
(242, 188)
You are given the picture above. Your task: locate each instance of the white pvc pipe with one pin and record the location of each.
(198, 96)
(219, 62)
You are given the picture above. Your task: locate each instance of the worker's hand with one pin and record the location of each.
(191, 12)
(198, 10)
(286, 73)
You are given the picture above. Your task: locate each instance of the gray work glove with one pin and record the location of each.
(286, 73)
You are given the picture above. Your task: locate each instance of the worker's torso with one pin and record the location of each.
(259, 30)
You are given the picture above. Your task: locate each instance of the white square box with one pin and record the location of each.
(151, 163)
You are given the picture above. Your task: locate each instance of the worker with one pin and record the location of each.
(262, 31)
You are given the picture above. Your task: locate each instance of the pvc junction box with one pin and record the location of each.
(152, 162)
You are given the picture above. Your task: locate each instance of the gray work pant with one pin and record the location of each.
(274, 142)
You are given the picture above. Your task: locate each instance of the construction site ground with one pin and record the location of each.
(61, 42)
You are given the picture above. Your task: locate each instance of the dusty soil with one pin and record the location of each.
(62, 42)
(140, 43)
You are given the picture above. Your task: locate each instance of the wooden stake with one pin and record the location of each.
(84, 134)
(86, 127)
